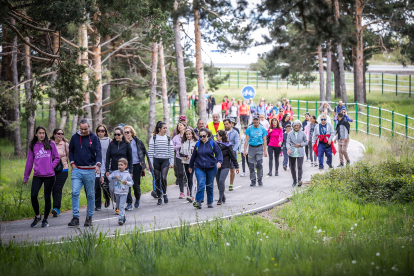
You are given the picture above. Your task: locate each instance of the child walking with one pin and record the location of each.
(122, 181)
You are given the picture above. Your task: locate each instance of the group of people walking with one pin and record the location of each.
(114, 167)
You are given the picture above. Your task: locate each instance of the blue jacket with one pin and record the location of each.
(261, 110)
(339, 109)
(206, 155)
(85, 151)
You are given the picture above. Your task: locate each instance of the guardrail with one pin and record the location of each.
(381, 82)
(368, 119)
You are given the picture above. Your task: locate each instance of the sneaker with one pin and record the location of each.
(294, 183)
(55, 212)
(136, 204)
(182, 195)
(120, 222)
(260, 183)
(154, 194)
(117, 212)
(269, 174)
(197, 204)
(128, 207)
(97, 208)
(320, 168)
(276, 173)
(242, 175)
(107, 202)
(88, 222)
(316, 164)
(159, 201)
(74, 222)
(165, 199)
(219, 202)
(190, 199)
(44, 223)
(36, 221)
(210, 205)
(330, 166)
(230, 187)
(285, 168)
(253, 183)
(340, 165)
(300, 183)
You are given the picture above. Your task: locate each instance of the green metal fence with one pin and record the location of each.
(380, 82)
(367, 119)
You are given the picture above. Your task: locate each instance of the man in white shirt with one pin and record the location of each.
(264, 122)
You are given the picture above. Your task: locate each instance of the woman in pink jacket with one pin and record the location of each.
(45, 157)
(275, 140)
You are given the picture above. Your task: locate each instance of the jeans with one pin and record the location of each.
(120, 205)
(293, 161)
(312, 154)
(83, 178)
(221, 181)
(285, 157)
(36, 185)
(328, 152)
(136, 177)
(205, 179)
(98, 191)
(58, 188)
(276, 151)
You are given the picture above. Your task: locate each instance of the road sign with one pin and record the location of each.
(248, 92)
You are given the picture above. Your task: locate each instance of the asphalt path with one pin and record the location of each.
(149, 216)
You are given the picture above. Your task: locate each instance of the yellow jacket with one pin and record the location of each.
(210, 126)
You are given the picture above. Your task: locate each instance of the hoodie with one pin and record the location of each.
(119, 187)
(228, 155)
(116, 151)
(206, 157)
(44, 161)
(85, 151)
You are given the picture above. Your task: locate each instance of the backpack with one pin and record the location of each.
(155, 137)
(211, 144)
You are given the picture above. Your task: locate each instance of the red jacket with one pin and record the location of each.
(244, 110)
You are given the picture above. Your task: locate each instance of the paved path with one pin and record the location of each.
(151, 216)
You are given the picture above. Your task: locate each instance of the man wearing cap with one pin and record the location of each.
(215, 125)
(234, 141)
(256, 139)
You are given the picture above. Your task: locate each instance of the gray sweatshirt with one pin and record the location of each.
(119, 187)
(233, 138)
(292, 140)
(343, 132)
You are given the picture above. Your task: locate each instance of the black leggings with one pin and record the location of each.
(161, 172)
(36, 185)
(190, 177)
(244, 120)
(136, 177)
(276, 151)
(180, 173)
(58, 188)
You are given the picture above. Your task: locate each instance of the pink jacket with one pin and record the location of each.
(44, 161)
(275, 137)
(307, 130)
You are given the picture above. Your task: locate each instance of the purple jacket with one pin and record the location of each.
(44, 161)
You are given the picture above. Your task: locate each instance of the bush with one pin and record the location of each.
(389, 181)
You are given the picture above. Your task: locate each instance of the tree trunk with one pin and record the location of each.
(153, 91)
(321, 76)
(52, 102)
(106, 90)
(97, 67)
(63, 119)
(328, 71)
(74, 124)
(341, 59)
(179, 59)
(360, 97)
(354, 67)
(199, 68)
(164, 90)
(31, 119)
(337, 82)
(15, 80)
(83, 41)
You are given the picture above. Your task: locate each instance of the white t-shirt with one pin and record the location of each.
(265, 124)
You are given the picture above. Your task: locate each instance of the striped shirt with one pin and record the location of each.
(161, 149)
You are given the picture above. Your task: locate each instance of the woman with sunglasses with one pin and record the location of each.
(117, 149)
(205, 161)
(101, 181)
(62, 146)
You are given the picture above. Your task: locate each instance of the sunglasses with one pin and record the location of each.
(60, 133)
(203, 136)
(118, 134)
(101, 130)
(323, 119)
(127, 132)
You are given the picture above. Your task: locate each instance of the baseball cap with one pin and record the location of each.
(232, 120)
(183, 118)
(256, 116)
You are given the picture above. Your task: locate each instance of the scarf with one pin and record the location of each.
(344, 123)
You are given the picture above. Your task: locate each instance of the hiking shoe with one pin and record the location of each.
(300, 183)
(107, 202)
(165, 199)
(253, 183)
(294, 183)
(36, 221)
(74, 222)
(97, 208)
(88, 222)
(190, 199)
(330, 166)
(276, 173)
(117, 212)
(210, 205)
(197, 204)
(128, 207)
(121, 222)
(55, 212)
(154, 194)
(219, 202)
(260, 183)
(285, 168)
(242, 175)
(136, 205)
(340, 165)
(230, 187)
(44, 223)
(269, 174)
(182, 195)
(159, 201)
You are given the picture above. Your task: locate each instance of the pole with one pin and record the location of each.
(369, 82)
(316, 108)
(396, 84)
(367, 119)
(392, 124)
(406, 126)
(382, 82)
(379, 115)
(356, 117)
(307, 108)
(409, 86)
(298, 110)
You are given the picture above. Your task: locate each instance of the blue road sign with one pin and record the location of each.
(248, 92)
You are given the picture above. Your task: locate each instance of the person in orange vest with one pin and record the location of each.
(215, 125)
(244, 113)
